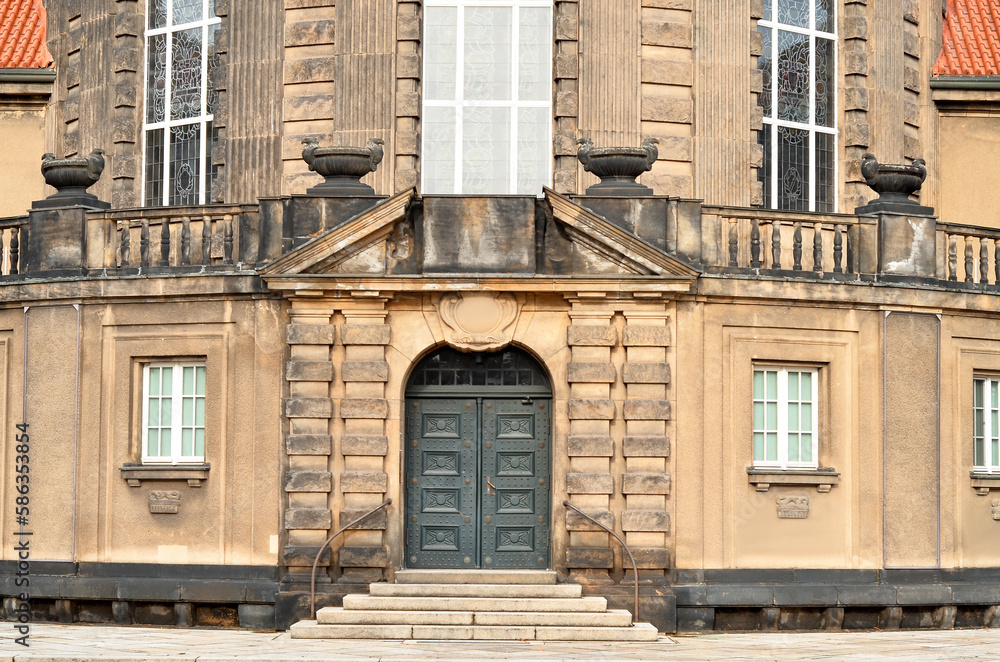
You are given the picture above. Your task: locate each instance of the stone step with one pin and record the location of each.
(478, 590)
(313, 630)
(607, 619)
(341, 616)
(585, 604)
(475, 577)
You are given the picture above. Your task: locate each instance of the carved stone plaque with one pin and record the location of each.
(478, 322)
(996, 509)
(793, 507)
(164, 501)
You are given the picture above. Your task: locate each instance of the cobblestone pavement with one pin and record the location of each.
(69, 643)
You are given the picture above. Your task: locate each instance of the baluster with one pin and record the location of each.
(734, 242)
(186, 241)
(755, 244)
(206, 240)
(838, 250)
(126, 245)
(228, 240)
(852, 253)
(797, 247)
(144, 243)
(164, 243)
(15, 245)
(952, 258)
(996, 262)
(968, 259)
(1, 250)
(776, 244)
(984, 261)
(817, 247)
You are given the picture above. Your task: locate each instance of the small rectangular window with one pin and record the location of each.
(785, 417)
(986, 424)
(173, 413)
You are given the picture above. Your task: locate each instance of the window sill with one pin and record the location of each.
(822, 479)
(194, 474)
(983, 483)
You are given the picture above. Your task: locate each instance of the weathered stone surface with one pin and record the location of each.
(646, 482)
(363, 557)
(364, 408)
(646, 520)
(308, 518)
(497, 236)
(364, 444)
(364, 371)
(646, 373)
(309, 70)
(646, 446)
(589, 483)
(309, 444)
(365, 334)
(298, 555)
(646, 410)
(308, 33)
(591, 372)
(646, 336)
(591, 336)
(308, 407)
(590, 557)
(582, 445)
(576, 522)
(651, 557)
(308, 481)
(377, 521)
(309, 371)
(583, 409)
(367, 482)
(667, 72)
(310, 334)
(657, 33)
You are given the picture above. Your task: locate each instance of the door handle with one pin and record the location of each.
(490, 487)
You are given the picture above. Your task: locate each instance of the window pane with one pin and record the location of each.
(187, 442)
(154, 167)
(185, 157)
(758, 446)
(793, 386)
(185, 78)
(995, 458)
(758, 415)
(764, 65)
(793, 417)
(168, 381)
(806, 417)
(767, 10)
(764, 172)
(979, 423)
(826, 176)
(165, 442)
(488, 54)
(187, 415)
(772, 447)
(793, 77)
(199, 442)
(758, 384)
(793, 169)
(980, 453)
(806, 392)
(534, 54)
(214, 66)
(486, 151)
(772, 416)
(153, 443)
(154, 381)
(186, 11)
(439, 150)
(825, 68)
(153, 412)
(199, 412)
(807, 448)
(978, 392)
(440, 53)
(156, 78)
(199, 385)
(794, 12)
(188, 380)
(825, 15)
(166, 411)
(157, 13)
(793, 447)
(533, 151)
(772, 385)
(994, 393)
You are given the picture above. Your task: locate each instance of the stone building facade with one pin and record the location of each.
(483, 358)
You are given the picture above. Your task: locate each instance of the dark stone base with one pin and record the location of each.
(56, 201)
(657, 604)
(340, 188)
(909, 208)
(620, 188)
(291, 604)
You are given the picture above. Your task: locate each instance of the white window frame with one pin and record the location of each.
(811, 126)
(202, 120)
(782, 462)
(176, 416)
(991, 429)
(458, 104)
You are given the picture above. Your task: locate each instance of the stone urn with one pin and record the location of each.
(71, 178)
(342, 166)
(618, 167)
(894, 183)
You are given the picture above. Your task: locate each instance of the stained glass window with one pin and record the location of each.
(181, 71)
(487, 109)
(799, 138)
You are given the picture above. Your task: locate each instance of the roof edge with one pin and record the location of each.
(27, 75)
(965, 82)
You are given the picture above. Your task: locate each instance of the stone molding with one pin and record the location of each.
(478, 321)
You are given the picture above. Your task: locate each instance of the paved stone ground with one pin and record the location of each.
(78, 643)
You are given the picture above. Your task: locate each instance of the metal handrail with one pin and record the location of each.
(312, 579)
(635, 569)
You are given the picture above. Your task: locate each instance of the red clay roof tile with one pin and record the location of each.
(971, 44)
(22, 35)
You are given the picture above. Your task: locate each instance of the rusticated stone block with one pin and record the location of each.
(667, 109)
(646, 336)
(589, 483)
(364, 371)
(365, 334)
(364, 444)
(651, 557)
(583, 445)
(590, 557)
(591, 336)
(309, 371)
(656, 33)
(366, 482)
(309, 518)
(646, 520)
(363, 557)
(308, 407)
(377, 521)
(647, 410)
(581, 409)
(364, 408)
(309, 444)
(576, 522)
(308, 481)
(310, 334)
(646, 482)
(646, 446)
(646, 373)
(296, 555)
(591, 372)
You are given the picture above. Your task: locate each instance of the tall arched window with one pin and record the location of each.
(487, 96)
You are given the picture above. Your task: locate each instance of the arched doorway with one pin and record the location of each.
(478, 458)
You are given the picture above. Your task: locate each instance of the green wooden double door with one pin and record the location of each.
(477, 482)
